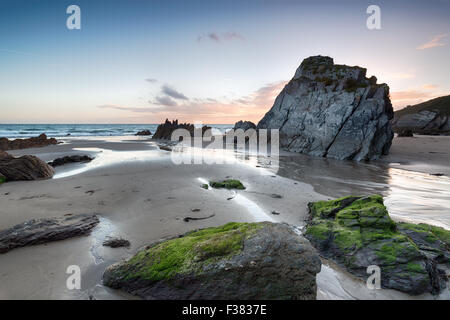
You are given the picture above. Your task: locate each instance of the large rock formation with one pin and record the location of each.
(333, 111)
(38, 231)
(24, 168)
(234, 261)
(430, 117)
(357, 232)
(40, 141)
(164, 130)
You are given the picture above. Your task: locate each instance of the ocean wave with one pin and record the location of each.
(12, 131)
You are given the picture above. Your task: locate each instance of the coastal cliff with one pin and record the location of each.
(431, 117)
(332, 111)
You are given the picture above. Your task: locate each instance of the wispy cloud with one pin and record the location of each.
(125, 108)
(434, 42)
(400, 75)
(151, 80)
(209, 110)
(171, 92)
(412, 96)
(219, 37)
(429, 87)
(164, 101)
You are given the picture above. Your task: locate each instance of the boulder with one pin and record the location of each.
(144, 133)
(114, 242)
(40, 141)
(38, 231)
(24, 168)
(69, 159)
(244, 125)
(165, 130)
(332, 111)
(235, 261)
(357, 232)
(405, 133)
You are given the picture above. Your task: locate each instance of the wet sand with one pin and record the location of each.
(142, 196)
(426, 154)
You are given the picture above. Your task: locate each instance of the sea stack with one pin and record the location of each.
(332, 111)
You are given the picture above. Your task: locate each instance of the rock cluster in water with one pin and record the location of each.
(39, 231)
(244, 125)
(233, 261)
(357, 232)
(40, 141)
(144, 133)
(23, 168)
(165, 130)
(333, 111)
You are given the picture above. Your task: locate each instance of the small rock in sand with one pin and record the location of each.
(116, 242)
(70, 159)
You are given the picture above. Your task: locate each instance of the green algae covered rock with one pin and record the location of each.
(2, 179)
(357, 232)
(234, 261)
(227, 184)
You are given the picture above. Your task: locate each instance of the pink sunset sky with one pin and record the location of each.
(215, 61)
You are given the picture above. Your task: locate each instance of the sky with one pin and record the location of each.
(136, 61)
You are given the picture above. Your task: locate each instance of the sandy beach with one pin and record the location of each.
(142, 196)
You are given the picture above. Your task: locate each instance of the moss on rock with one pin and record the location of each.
(2, 179)
(357, 232)
(227, 184)
(189, 253)
(433, 233)
(240, 261)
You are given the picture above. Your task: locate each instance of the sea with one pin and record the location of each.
(13, 131)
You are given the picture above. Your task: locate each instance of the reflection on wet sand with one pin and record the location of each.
(412, 196)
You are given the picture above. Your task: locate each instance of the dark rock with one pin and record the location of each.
(430, 117)
(239, 261)
(187, 219)
(116, 242)
(24, 168)
(357, 232)
(40, 141)
(70, 159)
(165, 148)
(405, 133)
(437, 174)
(165, 130)
(39, 231)
(144, 133)
(244, 125)
(332, 111)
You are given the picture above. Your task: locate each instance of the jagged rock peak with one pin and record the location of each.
(332, 110)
